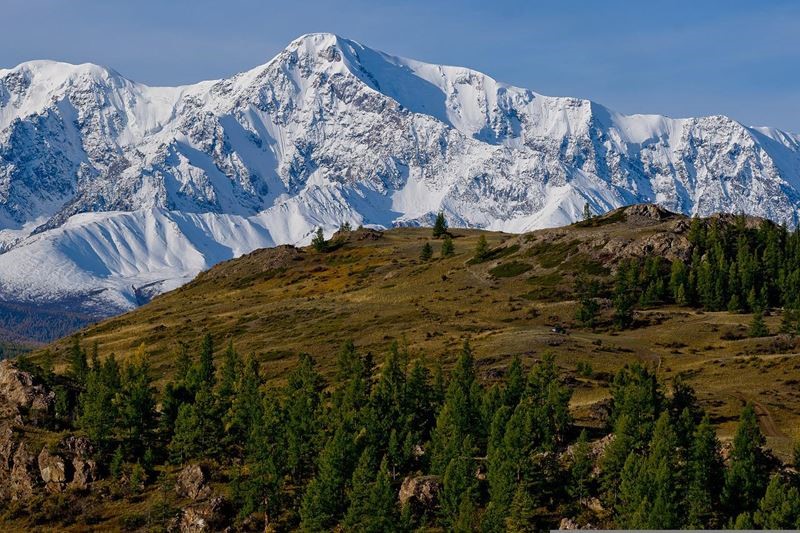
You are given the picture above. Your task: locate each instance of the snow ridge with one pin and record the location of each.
(114, 191)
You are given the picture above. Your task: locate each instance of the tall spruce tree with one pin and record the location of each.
(746, 478)
(706, 474)
(440, 225)
(460, 414)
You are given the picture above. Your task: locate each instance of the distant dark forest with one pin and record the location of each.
(32, 324)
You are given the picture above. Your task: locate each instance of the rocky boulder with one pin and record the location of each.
(421, 492)
(53, 470)
(192, 483)
(24, 474)
(19, 391)
(207, 516)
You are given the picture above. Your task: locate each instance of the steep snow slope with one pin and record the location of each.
(113, 191)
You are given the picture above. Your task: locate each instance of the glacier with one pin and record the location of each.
(112, 191)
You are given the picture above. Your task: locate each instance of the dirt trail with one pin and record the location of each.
(765, 420)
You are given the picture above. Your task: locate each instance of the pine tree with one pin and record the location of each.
(522, 514)
(625, 295)
(780, 506)
(757, 327)
(318, 241)
(440, 226)
(359, 511)
(481, 249)
(229, 375)
(78, 365)
(183, 363)
(746, 478)
(678, 279)
(662, 466)
(448, 249)
(302, 426)
(97, 408)
(631, 496)
(459, 416)
(137, 407)
(246, 409)
(372, 500)
(581, 471)
(706, 473)
(587, 211)
(586, 314)
(466, 521)
(459, 483)
(427, 252)
(324, 501)
(258, 485)
(636, 395)
(185, 443)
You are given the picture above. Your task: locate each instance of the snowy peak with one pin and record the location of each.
(102, 179)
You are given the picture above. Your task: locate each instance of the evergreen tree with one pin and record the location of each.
(257, 486)
(137, 407)
(440, 226)
(481, 249)
(746, 478)
(460, 414)
(302, 411)
(185, 443)
(624, 295)
(587, 211)
(780, 506)
(229, 375)
(678, 280)
(359, 495)
(757, 327)
(706, 473)
(586, 314)
(662, 474)
(324, 501)
(372, 500)
(636, 395)
(427, 252)
(501, 474)
(522, 516)
(78, 365)
(246, 409)
(318, 241)
(448, 249)
(183, 363)
(581, 471)
(459, 483)
(97, 409)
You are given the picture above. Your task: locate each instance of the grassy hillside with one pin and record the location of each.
(373, 287)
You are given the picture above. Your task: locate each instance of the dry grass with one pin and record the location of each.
(376, 291)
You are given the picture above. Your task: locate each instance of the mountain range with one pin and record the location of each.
(112, 191)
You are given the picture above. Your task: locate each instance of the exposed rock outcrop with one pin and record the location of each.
(202, 517)
(421, 492)
(24, 474)
(19, 392)
(53, 470)
(192, 483)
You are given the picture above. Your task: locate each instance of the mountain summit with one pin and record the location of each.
(112, 191)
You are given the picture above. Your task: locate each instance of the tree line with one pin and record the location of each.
(734, 266)
(316, 454)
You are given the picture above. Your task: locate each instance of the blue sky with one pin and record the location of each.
(679, 58)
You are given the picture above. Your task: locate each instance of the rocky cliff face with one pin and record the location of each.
(26, 469)
(112, 191)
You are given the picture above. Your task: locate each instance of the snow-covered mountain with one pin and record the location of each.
(111, 191)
